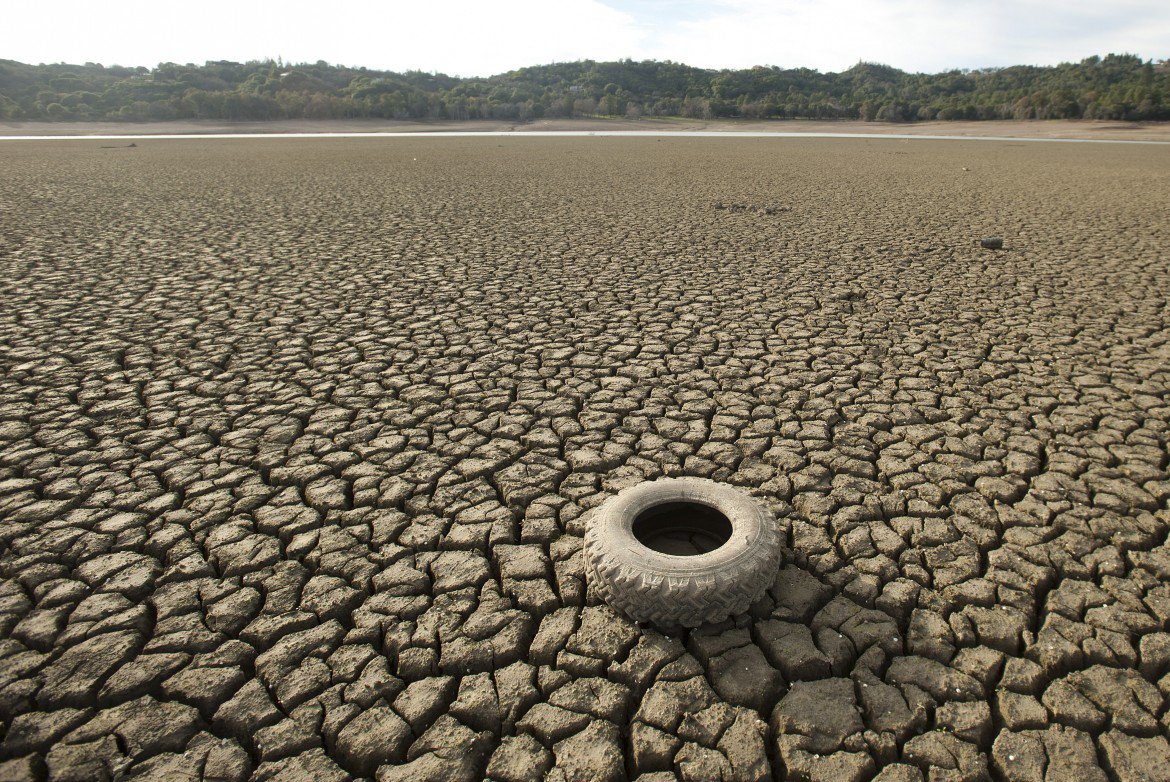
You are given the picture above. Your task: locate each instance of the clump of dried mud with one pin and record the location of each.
(295, 440)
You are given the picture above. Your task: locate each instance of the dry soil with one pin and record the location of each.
(296, 438)
(1052, 129)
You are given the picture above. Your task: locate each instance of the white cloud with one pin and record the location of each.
(917, 35)
(470, 37)
(462, 37)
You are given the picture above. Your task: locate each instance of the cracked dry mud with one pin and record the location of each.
(296, 437)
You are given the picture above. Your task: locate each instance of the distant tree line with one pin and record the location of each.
(1117, 87)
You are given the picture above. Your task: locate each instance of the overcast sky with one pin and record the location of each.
(483, 37)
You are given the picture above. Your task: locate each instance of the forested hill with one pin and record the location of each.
(1112, 87)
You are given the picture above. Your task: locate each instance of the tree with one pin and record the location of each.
(1115, 86)
(9, 109)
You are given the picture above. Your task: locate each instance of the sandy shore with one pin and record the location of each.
(1132, 131)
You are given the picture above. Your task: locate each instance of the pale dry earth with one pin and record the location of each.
(1039, 129)
(296, 438)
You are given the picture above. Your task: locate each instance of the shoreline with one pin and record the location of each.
(580, 134)
(1000, 129)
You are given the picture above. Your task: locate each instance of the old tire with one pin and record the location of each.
(670, 590)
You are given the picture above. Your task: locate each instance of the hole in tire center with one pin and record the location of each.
(684, 529)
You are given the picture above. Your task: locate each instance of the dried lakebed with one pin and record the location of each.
(565, 134)
(296, 438)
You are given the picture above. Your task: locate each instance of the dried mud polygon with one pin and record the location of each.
(296, 438)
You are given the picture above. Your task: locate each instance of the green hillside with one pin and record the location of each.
(1122, 87)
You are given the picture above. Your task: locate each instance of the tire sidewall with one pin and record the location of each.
(614, 527)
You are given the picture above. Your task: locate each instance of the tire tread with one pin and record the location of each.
(650, 597)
